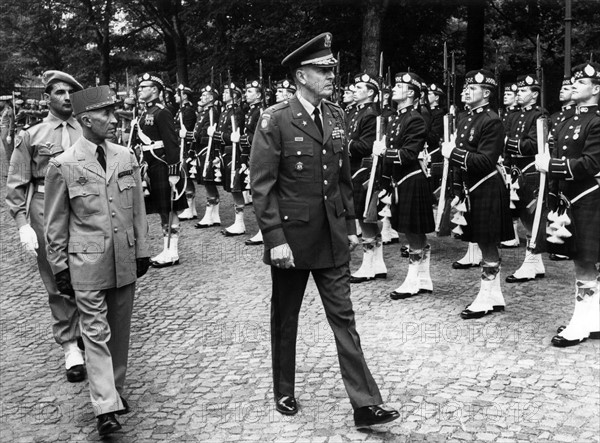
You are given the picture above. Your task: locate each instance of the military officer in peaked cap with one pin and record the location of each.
(575, 170)
(96, 230)
(158, 138)
(34, 147)
(301, 183)
(476, 150)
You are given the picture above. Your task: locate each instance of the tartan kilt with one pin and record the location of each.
(529, 184)
(211, 168)
(584, 244)
(159, 200)
(488, 213)
(412, 206)
(360, 183)
(242, 159)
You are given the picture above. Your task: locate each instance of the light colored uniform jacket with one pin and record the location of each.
(95, 222)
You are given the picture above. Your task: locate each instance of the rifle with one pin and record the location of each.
(370, 214)
(209, 146)
(260, 80)
(443, 214)
(233, 129)
(542, 140)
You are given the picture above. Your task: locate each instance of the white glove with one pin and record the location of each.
(182, 133)
(447, 147)
(235, 136)
(29, 239)
(211, 130)
(379, 146)
(542, 162)
(8, 139)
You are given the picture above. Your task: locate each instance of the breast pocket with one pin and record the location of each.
(298, 159)
(85, 199)
(126, 186)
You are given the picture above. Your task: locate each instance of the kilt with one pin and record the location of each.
(412, 206)
(584, 245)
(360, 183)
(159, 200)
(242, 159)
(529, 184)
(488, 215)
(211, 170)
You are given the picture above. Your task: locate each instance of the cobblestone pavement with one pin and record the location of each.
(200, 354)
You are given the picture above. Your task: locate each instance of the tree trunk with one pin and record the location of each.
(105, 46)
(475, 34)
(371, 35)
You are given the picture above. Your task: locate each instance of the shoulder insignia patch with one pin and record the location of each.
(264, 121)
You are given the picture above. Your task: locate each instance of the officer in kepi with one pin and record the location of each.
(302, 195)
(96, 231)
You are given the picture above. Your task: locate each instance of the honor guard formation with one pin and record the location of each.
(327, 168)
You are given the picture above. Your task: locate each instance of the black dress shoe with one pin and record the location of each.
(227, 233)
(467, 314)
(381, 275)
(593, 335)
(557, 257)
(250, 242)
(107, 424)
(374, 415)
(125, 409)
(561, 342)
(404, 251)
(286, 405)
(76, 373)
(513, 279)
(166, 264)
(459, 265)
(202, 226)
(395, 295)
(354, 279)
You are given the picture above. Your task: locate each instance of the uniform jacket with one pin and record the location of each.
(577, 152)
(95, 221)
(208, 114)
(436, 134)
(508, 117)
(224, 129)
(250, 123)
(157, 123)
(405, 139)
(524, 129)
(479, 143)
(361, 134)
(34, 148)
(301, 184)
(188, 116)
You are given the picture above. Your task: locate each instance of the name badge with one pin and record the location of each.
(298, 139)
(124, 173)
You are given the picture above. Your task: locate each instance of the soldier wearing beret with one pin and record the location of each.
(412, 201)
(435, 134)
(348, 102)
(34, 148)
(207, 152)
(185, 120)
(361, 135)
(302, 193)
(125, 116)
(284, 90)
(574, 174)
(521, 148)
(227, 135)
(160, 148)
(96, 230)
(476, 150)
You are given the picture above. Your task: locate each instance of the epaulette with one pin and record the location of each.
(27, 127)
(54, 162)
(334, 104)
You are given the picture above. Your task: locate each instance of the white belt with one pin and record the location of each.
(153, 146)
(584, 193)
(408, 176)
(476, 185)
(529, 166)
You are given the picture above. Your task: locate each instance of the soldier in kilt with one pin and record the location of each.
(186, 114)
(574, 172)
(412, 201)
(476, 150)
(226, 139)
(521, 148)
(361, 135)
(158, 138)
(284, 90)
(209, 171)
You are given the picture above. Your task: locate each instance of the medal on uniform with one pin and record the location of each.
(472, 134)
(82, 181)
(299, 166)
(576, 133)
(149, 121)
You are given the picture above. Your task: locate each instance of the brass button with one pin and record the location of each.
(114, 213)
(325, 182)
(285, 217)
(324, 151)
(299, 153)
(116, 229)
(324, 166)
(109, 199)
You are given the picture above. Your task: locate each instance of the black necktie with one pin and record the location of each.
(317, 115)
(101, 157)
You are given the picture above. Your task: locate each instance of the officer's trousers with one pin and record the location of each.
(105, 328)
(65, 317)
(334, 288)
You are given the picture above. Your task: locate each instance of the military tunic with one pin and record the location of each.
(412, 201)
(156, 122)
(479, 143)
(208, 115)
(575, 171)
